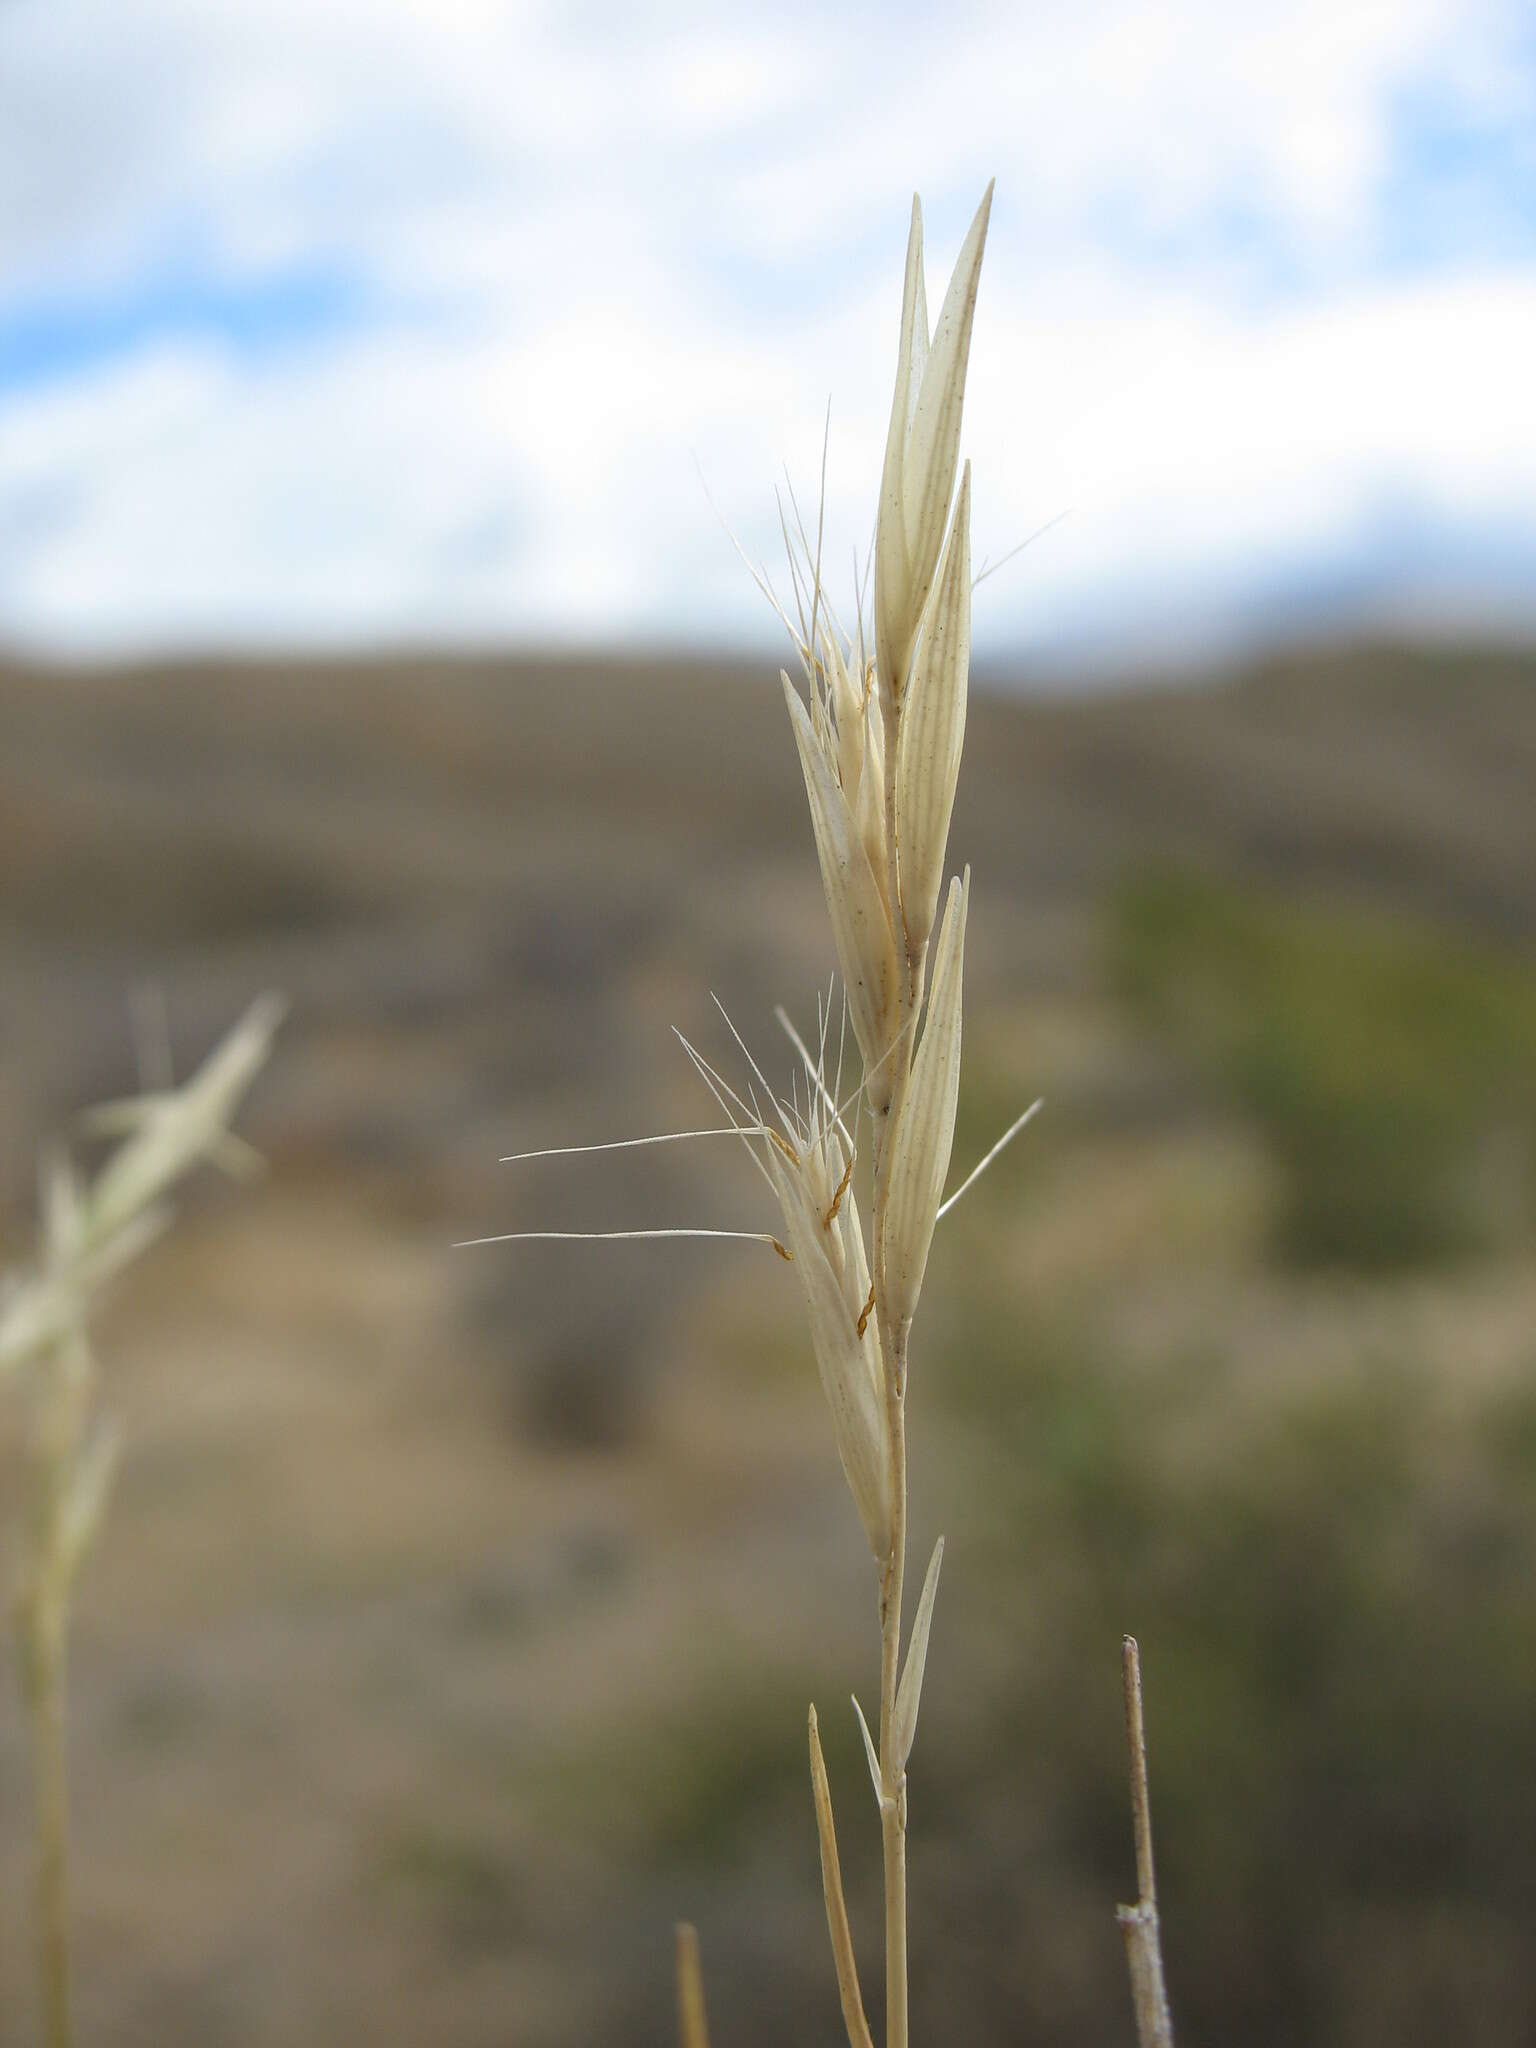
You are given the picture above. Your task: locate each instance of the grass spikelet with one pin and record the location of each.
(90, 1232)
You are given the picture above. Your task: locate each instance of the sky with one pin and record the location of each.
(440, 321)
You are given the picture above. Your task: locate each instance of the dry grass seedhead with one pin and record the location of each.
(89, 1233)
(880, 750)
(879, 731)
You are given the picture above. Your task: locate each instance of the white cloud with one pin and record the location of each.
(589, 242)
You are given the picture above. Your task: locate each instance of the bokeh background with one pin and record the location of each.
(375, 384)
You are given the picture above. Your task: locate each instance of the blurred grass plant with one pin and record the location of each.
(90, 1231)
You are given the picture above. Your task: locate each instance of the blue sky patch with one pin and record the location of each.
(251, 317)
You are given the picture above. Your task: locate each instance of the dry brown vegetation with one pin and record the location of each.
(425, 1678)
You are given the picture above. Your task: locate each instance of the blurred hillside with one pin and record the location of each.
(458, 1610)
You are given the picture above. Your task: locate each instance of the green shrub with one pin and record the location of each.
(1390, 1067)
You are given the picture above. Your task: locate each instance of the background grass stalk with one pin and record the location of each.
(43, 1656)
(42, 1631)
(1139, 1923)
(692, 2025)
(89, 1234)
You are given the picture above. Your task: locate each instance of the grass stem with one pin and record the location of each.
(692, 2026)
(1139, 1923)
(893, 1346)
(43, 1657)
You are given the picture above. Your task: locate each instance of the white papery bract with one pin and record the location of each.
(909, 1693)
(925, 1129)
(853, 734)
(933, 730)
(855, 890)
(812, 1181)
(922, 447)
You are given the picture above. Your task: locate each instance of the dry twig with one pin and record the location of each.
(692, 2028)
(1138, 1923)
